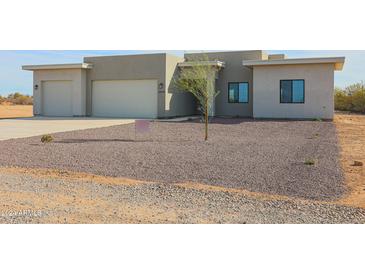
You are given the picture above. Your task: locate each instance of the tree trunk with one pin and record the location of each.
(206, 119)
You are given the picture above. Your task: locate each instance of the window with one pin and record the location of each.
(238, 92)
(292, 91)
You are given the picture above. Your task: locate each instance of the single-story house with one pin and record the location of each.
(251, 84)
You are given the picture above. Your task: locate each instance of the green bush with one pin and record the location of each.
(358, 101)
(309, 162)
(20, 99)
(46, 138)
(351, 89)
(23, 100)
(352, 98)
(342, 100)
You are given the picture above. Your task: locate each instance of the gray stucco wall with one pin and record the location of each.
(177, 103)
(128, 67)
(234, 71)
(319, 86)
(161, 67)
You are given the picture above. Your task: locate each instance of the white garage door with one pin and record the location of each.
(125, 98)
(57, 98)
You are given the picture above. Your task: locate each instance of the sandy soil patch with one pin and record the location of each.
(351, 132)
(15, 111)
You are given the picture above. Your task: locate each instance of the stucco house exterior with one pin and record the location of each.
(251, 84)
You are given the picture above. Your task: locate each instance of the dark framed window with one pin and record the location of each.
(292, 91)
(238, 92)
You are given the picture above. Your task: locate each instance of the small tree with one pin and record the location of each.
(199, 80)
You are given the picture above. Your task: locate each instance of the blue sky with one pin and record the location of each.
(13, 79)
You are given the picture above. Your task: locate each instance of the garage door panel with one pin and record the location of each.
(57, 98)
(125, 98)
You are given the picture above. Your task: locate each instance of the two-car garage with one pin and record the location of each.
(64, 91)
(123, 98)
(126, 86)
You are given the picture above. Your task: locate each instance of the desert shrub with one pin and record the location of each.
(342, 100)
(19, 99)
(2, 99)
(24, 100)
(352, 98)
(351, 89)
(46, 138)
(358, 101)
(309, 162)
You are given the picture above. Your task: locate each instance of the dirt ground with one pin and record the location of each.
(351, 133)
(15, 111)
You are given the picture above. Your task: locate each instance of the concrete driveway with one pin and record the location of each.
(28, 127)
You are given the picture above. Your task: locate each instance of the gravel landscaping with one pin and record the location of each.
(260, 156)
(32, 199)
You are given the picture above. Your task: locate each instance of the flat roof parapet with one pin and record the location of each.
(58, 66)
(218, 64)
(337, 61)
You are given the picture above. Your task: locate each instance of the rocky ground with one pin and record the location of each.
(67, 198)
(261, 156)
(254, 174)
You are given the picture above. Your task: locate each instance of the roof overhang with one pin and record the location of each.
(337, 61)
(217, 64)
(58, 66)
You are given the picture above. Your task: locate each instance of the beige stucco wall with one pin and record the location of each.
(319, 85)
(78, 78)
(234, 71)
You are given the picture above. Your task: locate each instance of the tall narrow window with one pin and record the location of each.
(238, 92)
(292, 91)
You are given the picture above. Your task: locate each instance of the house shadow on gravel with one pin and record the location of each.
(237, 121)
(85, 141)
(80, 141)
